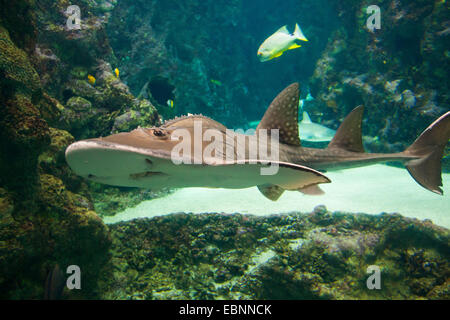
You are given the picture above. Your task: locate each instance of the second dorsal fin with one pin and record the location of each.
(348, 135)
(282, 114)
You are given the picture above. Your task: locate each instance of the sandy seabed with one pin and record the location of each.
(372, 190)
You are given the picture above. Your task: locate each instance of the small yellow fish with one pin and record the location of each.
(170, 103)
(281, 41)
(116, 71)
(91, 79)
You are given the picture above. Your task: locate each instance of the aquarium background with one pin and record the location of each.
(59, 86)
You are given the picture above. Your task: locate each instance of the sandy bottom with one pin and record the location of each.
(372, 190)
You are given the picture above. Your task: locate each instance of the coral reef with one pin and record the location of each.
(108, 200)
(42, 223)
(64, 58)
(321, 255)
(57, 85)
(47, 213)
(399, 72)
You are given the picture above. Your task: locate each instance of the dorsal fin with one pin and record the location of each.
(282, 114)
(283, 29)
(306, 118)
(348, 135)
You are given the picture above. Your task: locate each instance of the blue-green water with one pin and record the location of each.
(117, 70)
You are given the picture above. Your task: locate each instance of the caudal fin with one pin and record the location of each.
(429, 147)
(299, 34)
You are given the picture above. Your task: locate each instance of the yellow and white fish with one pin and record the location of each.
(117, 72)
(281, 41)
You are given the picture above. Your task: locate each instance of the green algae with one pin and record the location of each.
(42, 223)
(79, 73)
(15, 67)
(214, 256)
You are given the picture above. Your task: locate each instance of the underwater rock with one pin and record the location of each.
(51, 110)
(82, 88)
(294, 256)
(96, 106)
(78, 104)
(392, 86)
(109, 200)
(48, 65)
(78, 112)
(59, 140)
(125, 121)
(41, 222)
(65, 224)
(115, 94)
(81, 45)
(408, 99)
(53, 161)
(143, 114)
(64, 59)
(79, 73)
(94, 109)
(403, 64)
(106, 5)
(23, 133)
(15, 68)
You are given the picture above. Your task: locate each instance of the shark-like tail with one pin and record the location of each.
(429, 147)
(427, 150)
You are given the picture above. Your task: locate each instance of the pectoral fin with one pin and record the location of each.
(294, 46)
(313, 190)
(270, 191)
(276, 55)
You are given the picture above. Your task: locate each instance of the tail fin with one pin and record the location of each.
(429, 147)
(299, 34)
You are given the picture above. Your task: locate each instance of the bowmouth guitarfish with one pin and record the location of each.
(144, 157)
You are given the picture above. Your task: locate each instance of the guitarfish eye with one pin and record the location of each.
(158, 133)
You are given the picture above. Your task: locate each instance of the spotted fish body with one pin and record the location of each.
(144, 157)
